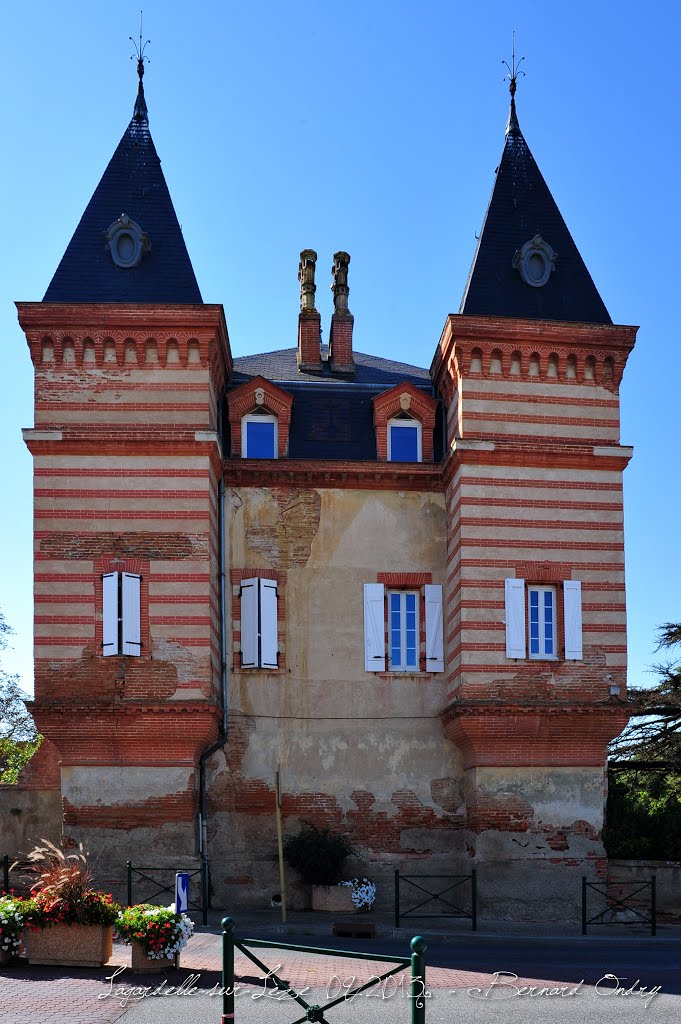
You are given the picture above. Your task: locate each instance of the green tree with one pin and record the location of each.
(653, 738)
(19, 738)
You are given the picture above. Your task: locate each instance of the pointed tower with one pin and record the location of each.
(545, 277)
(530, 370)
(129, 365)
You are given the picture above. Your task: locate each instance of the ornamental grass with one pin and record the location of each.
(63, 892)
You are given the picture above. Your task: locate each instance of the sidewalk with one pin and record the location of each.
(463, 963)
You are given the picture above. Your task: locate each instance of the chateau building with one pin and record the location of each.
(401, 586)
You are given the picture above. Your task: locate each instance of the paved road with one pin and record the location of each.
(469, 980)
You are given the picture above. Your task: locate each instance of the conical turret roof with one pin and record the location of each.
(128, 246)
(524, 239)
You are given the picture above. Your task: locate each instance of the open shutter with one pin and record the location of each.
(435, 654)
(249, 623)
(572, 608)
(515, 618)
(130, 595)
(374, 627)
(269, 642)
(110, 614)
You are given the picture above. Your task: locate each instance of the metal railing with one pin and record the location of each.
(616, 898)
(150, 875)
(315, 1012)
(443, 897)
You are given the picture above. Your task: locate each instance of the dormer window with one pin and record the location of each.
(404, 439)
(259, 435)
(259, 419)
(404, 417)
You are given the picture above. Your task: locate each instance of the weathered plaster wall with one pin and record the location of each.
(534, 833)
(360, 751)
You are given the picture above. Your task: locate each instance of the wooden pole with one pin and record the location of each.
(280, 845)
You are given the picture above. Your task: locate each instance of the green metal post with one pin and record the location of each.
(583, 904)
(397, 897)
(653, 905)
(204, 891)
(5, 872)
(129, 863)
(418, 980)
(474, 898)
(228, 924)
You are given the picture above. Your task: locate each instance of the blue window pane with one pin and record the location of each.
(534, 622)
(260, 440)
(548, 622)
(404, 444)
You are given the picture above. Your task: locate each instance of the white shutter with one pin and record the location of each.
(130, 595)
(249, 623)
(269, 643)
(374, 627)
(515, 618)
(572, 609)
(435, 655)
(110, 614)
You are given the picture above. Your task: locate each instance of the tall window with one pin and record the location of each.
(259, 436)
(404, 439)
(542, 618)
(121, 633)
(403, 630)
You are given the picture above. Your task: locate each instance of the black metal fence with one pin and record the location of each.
(155, 879)
(312, 1012)
(635, 898)
(462, 888)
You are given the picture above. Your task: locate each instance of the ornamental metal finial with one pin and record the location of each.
(139, 52)
(140, 112)
(513, 69)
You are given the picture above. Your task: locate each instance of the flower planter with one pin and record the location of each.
(6, 955)
(69, 945)
(334, 899)
(143, 964)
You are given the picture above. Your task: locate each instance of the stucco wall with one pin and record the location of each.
(362, 751)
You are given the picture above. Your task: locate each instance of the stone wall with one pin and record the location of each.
(668, 884)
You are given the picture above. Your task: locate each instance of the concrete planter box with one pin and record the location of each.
(143, 964)
(334, 899)
(69, 945)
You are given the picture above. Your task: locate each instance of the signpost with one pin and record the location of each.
(181, 892)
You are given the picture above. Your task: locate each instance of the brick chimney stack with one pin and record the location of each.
(342, 321)
(309, 320)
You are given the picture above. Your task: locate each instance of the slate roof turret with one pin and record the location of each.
(132, 186)
(520, 209)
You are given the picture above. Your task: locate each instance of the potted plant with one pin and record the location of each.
(67, 922)
(12, 911)
(318, 855)
(362, 892)
(157, 935)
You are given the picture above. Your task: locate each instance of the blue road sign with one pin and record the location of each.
(181, 892)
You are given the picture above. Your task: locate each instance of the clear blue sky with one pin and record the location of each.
(373, 127)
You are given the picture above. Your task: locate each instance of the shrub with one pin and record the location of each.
(318, 855)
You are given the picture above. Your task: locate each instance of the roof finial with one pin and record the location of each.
(140, 111)
(513, 71)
